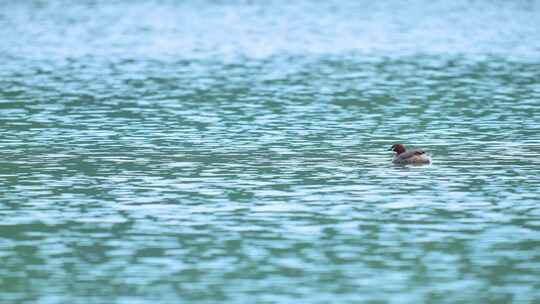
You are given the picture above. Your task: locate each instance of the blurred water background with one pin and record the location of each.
(236, 151)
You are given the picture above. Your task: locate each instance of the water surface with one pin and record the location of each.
(235, 152)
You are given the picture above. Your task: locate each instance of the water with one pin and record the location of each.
(236, 152)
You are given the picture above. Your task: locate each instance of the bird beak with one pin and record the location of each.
(390, 149)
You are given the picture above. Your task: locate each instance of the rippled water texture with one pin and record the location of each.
(236, 152)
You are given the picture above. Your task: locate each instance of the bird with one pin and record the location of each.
(404, 156)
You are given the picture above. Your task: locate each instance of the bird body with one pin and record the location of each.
(404, 156)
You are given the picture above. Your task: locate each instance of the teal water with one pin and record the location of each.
(236, 152)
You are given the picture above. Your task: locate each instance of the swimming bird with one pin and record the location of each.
(409, 157)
